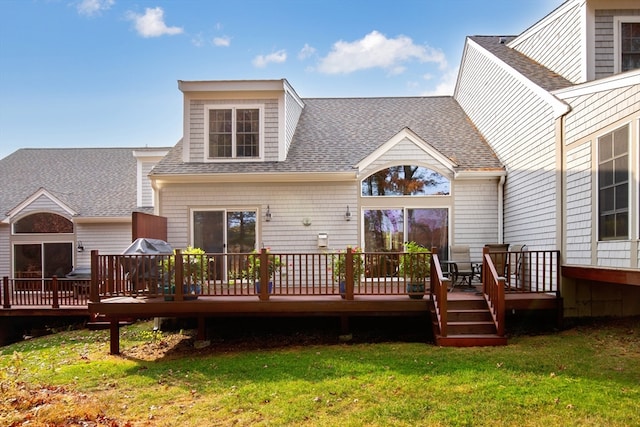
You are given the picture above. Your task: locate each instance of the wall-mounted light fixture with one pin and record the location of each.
(80, 246)
(347, 215)
(267, 215)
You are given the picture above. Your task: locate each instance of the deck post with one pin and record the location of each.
(349, 274)
(179, 270)
(54, 285)
(94, 292)
(114, 336)
(6, 300)
(264, 275)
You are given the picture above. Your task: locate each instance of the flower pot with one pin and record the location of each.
(269, 286)
(415, 290)
(342, 287)
(190, 292)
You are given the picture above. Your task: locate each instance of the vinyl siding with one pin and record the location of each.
(604, 39)
(475, 214)
(591, 116)
(146, 190)
(197, 119)
(44, 204)
(107, 238)
(406, 152)
(556, 43)
(322, 203)
(520, 128)
(5, 251)
(293, 112)
(579, 212)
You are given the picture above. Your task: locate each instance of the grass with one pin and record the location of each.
(587, 375)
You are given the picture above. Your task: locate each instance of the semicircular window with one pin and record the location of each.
(406, 180)
(43, 222)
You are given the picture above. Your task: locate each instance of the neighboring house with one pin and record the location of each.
(59, 204)
(560, 105)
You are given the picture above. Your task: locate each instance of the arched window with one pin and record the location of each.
(43, 222)
(405, 180)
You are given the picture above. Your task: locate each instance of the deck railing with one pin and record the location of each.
(346, 273)
(50, 292)
(440, 286)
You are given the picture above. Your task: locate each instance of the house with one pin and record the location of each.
(59, 204)
(538, 146)
(560, 106)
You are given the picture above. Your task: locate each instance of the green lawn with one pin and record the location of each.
(587, 375)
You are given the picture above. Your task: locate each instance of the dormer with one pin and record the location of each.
(238, 121)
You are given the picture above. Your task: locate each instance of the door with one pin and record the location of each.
(225, 232)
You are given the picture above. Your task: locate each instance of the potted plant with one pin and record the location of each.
(274, 263)
(340, 268)
(195, 270)
(415, 267)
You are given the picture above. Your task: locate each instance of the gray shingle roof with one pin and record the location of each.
(537, 73)
(96, 182)
(334, 134)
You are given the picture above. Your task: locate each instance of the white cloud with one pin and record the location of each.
(151, 24)
(93, 7)
(375, 50)
(447, 83)
(262, 61)
(222, 41)
(306, 52)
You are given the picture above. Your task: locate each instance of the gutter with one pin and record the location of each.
(501, 209)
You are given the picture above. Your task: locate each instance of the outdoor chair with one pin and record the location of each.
(497, 253)
(517, 266)
(460, 265)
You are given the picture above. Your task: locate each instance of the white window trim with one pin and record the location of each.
(617, 34)
(233, 107)
(597, 179)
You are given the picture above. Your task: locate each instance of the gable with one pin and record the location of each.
(40, 201)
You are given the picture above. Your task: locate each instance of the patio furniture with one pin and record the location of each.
(517, 266)
(499, 256)
(460, 266)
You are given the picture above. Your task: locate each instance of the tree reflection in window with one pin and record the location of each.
(405, 180)
(43, 222)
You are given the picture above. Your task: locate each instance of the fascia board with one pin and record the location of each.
(40, 192)
(102, 219)
(480, 174)
(617, 81)
(160, 181)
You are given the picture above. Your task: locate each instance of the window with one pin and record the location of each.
(613, 185)
(630, 46)
(233, 132)
(43, 222)
(405, 180)
(626, 43)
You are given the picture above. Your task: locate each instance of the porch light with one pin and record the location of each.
(267, 215)
(347, 215)
(80, 246)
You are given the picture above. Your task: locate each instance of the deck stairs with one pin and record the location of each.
(469, 324)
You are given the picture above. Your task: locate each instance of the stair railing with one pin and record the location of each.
(438, 292)
(493, 290)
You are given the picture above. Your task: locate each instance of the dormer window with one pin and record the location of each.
(233, 132)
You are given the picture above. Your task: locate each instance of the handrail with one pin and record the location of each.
(493, 290)
(438, 292)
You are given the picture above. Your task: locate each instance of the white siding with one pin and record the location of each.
(44, 204)
(556, 43)
(323, 203)
(406, 152)
(197, 119)
(591, 116)
(107, 238)
(293, 112)
(520, 127)
(475, 214)
(146, 190)
(579, 183)
(5, 251)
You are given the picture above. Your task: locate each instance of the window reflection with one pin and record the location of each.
(405, 180)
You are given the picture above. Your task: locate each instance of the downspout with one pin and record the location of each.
(501, 209)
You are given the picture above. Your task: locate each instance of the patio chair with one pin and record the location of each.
(461, 266)
(517, 266)
(497, 252)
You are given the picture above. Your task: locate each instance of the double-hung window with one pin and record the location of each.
(233, 132)
(627, 43)
(613, 185)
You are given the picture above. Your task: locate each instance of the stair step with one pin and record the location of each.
(460, 328)
(471, 340)
(479, 315)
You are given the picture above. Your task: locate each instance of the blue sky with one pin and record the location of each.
(88, 73)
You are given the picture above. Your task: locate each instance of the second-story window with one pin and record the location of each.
(613, 185)
(233, 132)
(630, 46)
